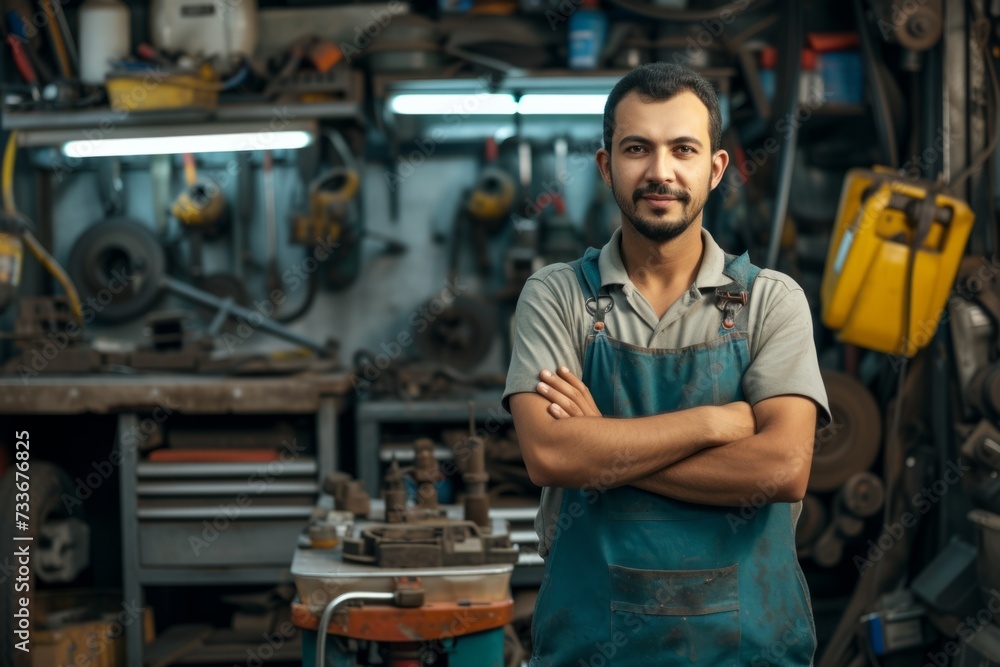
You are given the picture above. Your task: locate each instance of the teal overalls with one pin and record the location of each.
(639, 580)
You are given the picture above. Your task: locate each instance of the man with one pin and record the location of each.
(668, 532)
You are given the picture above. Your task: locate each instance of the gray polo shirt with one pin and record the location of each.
(552, 323)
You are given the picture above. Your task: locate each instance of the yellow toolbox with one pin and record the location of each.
(149, 91)
(867, 266)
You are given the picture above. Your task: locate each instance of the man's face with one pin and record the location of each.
(660, 166)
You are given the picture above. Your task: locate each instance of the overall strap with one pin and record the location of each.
(588, 274)
(733, 297)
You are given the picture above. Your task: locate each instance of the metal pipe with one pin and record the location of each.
(205, 299)
(324, 620)
(792, 74)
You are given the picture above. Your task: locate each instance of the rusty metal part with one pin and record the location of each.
(433, 620)
(851, 442)
(348, 493)
(394, 493)
(983, 445)
(917, 27)
(862, 495)
(426, 472)
(477, 500)
(49, 340)
(983, 392)
(428, 543)
(459, 333)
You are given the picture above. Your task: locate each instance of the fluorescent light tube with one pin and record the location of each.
(206, 143)
(560, 105)
(497, 104)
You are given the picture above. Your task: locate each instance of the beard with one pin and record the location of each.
(659, 231)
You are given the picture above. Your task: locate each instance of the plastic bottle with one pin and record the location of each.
(587, 29)
(105, 35)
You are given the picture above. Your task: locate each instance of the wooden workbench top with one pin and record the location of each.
(103, 393)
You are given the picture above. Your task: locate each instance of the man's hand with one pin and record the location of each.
(568, 395)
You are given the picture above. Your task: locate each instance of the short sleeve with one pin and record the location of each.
(546, 335)
(785, 361)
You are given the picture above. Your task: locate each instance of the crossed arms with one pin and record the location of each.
(712, 455)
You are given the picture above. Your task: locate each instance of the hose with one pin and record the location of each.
(33, 244)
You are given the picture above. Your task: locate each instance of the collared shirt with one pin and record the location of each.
(551, 325)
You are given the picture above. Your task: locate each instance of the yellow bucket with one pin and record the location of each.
(865, 279)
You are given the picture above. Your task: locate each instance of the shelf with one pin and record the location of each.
(40, 128)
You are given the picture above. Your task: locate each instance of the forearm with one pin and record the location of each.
(733, 473)
(573, 453)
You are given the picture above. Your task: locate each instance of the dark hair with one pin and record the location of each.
(658, 82)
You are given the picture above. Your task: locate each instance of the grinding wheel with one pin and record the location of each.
(118, 266)
(851, 442)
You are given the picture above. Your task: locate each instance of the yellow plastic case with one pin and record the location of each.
(864, 281)
(141, 92)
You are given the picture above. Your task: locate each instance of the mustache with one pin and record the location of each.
(660, 191)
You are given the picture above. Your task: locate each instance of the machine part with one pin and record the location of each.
(862, 495)
(850, 444)
(224, 286)
(983, 392)
(885, 227)
(491, 199)
(201, 206)
(428, 544)
(477, 500)
(348, 493)
(983, 445)
(121, 261)
(898, 625)
(973, 334)
(118, 265)
(460, 335)
(988, 541)
(427, 473)
(918, 28)
(949, 583)
(394, 494)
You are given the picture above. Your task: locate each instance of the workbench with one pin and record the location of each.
(148, 523)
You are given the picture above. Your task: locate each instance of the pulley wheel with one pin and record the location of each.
(458, 334)
(117, 265)
(863, 495)
(850, 443)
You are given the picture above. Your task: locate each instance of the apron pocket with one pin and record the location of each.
(664, 617)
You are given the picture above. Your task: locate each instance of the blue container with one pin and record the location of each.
(843, 81)
(587, 31)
